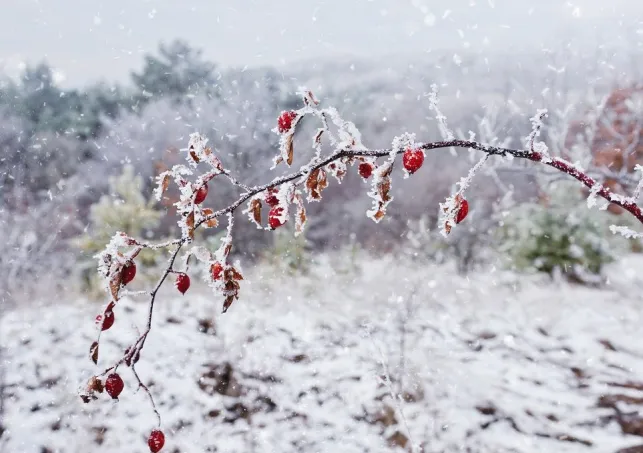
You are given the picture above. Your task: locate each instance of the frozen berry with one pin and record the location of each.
(413, 159)
(365, 170)
(182, 282)
(129, 272)
(114, 385)
(463, 210)
(271, 197)
(105, 320)
(201, 194)
(275, 217)
(216, 269)
(156, 441)
(284, 123)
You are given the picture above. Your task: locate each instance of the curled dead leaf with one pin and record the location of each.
(95, 385)
(210, 223)
(318, 136)
(165, 182)
(189, 223)
(300, 217)
(254, 210)
(236, 275)
(93, 352)
(115, 284)
(227, 303)
(289, 149)
(316, 182)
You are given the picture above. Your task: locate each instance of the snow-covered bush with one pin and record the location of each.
(559, 235)
(124, 208)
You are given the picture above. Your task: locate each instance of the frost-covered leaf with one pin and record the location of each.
(289, 149)
(115, 284)
(316, 182)
(300, 217)
(338, 169)
(210, 223)
(254, 211)
(380, 191)
(162, 183)
(189, 223)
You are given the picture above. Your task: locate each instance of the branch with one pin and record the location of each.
(281, 193)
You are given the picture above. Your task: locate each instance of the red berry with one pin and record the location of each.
(114, 385)
(463, 210)
(107, 322)
(365, 170)
(128, 273)
(274, 217)
(412, 159)
(156, 441)
(271, 197)
(216, 269)
(201, 194)
(284, 123)
(182, 282)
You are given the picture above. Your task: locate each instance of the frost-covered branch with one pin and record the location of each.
(285, 197)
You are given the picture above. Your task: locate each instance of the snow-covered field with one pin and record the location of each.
(489, 363)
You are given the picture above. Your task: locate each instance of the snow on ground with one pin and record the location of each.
(489, 363)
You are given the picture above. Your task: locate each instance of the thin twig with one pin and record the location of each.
(149, 394)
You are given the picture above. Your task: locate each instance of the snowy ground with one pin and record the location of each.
(486, 364)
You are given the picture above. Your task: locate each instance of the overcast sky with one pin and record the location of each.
(91, 39)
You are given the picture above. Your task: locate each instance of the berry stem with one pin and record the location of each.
(149, 394)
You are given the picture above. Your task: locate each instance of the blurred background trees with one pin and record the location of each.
(59, 145)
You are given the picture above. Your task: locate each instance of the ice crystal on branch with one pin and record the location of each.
(434, 103)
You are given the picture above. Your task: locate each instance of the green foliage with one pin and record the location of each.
(288, 253)
(123, 209)
(562, 237)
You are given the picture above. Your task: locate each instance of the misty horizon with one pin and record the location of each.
(86, 42)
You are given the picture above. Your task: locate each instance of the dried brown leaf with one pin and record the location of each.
(290, 149)
(384, 188)
(115, 284)
(93, 352)
(316, 182)
(189, 222)
(236, 275)
(95, 385)
(300, 218)
(165, 182)
(318, 136)
(211, 223)
(227, 303)
(255, 209)
(194, 157)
